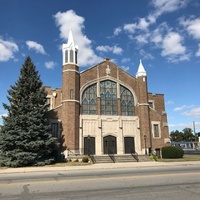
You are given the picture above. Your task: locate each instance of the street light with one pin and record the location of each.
(145, 138)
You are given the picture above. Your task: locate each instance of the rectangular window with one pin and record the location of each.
(156, 130)
(55, 129)
(66, 56)
(151, 104)
(71, 56)
(71, 94)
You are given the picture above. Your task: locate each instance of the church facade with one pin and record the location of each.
(105, 110)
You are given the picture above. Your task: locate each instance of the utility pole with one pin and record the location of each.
(194, 130)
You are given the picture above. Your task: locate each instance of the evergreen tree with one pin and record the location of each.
(25, 137)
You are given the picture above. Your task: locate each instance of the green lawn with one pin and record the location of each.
(185, 158)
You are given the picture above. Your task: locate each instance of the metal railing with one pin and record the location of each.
(111, 155)
(135, 155)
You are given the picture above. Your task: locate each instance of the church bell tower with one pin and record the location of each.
(70, 94)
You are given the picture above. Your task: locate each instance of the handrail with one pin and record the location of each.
(135, 155)
(74, 153)
(111, 155)
(92, 158)
(71, 152)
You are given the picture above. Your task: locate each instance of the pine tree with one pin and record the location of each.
(25, 137)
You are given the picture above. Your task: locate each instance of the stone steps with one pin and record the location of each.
(124, 158)
(102, 159)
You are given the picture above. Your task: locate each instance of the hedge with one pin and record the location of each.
(172, 152)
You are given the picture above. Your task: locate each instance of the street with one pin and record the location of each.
(174, 182)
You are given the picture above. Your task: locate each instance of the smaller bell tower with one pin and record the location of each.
(144, 115)
(70, 94)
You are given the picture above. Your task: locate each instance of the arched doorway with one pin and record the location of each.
(129, 145)
(109, 145)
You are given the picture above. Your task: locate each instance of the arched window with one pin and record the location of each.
(108, 95)
(127, 102)
(89, 100)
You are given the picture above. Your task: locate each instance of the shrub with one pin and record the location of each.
(153, 157)
(172, 152)
(85, 159)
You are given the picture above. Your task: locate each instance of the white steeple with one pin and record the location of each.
(70, 51)
(141, 71)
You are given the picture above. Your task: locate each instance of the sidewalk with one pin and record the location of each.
(96, 166)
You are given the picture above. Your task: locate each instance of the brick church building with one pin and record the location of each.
(105, 110)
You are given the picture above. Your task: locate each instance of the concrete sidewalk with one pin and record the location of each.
(96, 166)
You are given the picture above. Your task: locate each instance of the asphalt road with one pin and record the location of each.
(175, 182)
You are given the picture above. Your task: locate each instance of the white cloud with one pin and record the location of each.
(166, 6)
(158, 34)
(192, 26)
(70, 20)
(143, 24)
(3, 115)
(172, 44)
(117, 50)
(50, 65)
(113, 49)
(169, 102)
(117, 31)
(142, 39)
(130, 28)
(124, 60)
(198, 52)
(125, 68)
(7, 49)
(146, 55)
(194, 112)
(183, 107)
(35, 46)
(181, 126)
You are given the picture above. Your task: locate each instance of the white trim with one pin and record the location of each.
(70, 100)
(159, 129)
(71, 70)
(143, 104)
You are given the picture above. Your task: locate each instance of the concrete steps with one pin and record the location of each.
(124, 158)
(144, 158)
(113, 158)
(102, 159)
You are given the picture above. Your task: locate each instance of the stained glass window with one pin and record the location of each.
(127, 102)
(156, 130)
(108, 95)
(89, 100)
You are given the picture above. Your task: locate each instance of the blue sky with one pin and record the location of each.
(164, 34)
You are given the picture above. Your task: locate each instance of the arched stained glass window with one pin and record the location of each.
(127, 102)
(89, 100)
(108, 95)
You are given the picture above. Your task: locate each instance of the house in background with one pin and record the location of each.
(105, 110)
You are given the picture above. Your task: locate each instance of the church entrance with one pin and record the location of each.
(89, 145)
(109, 145)
(129, 145)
